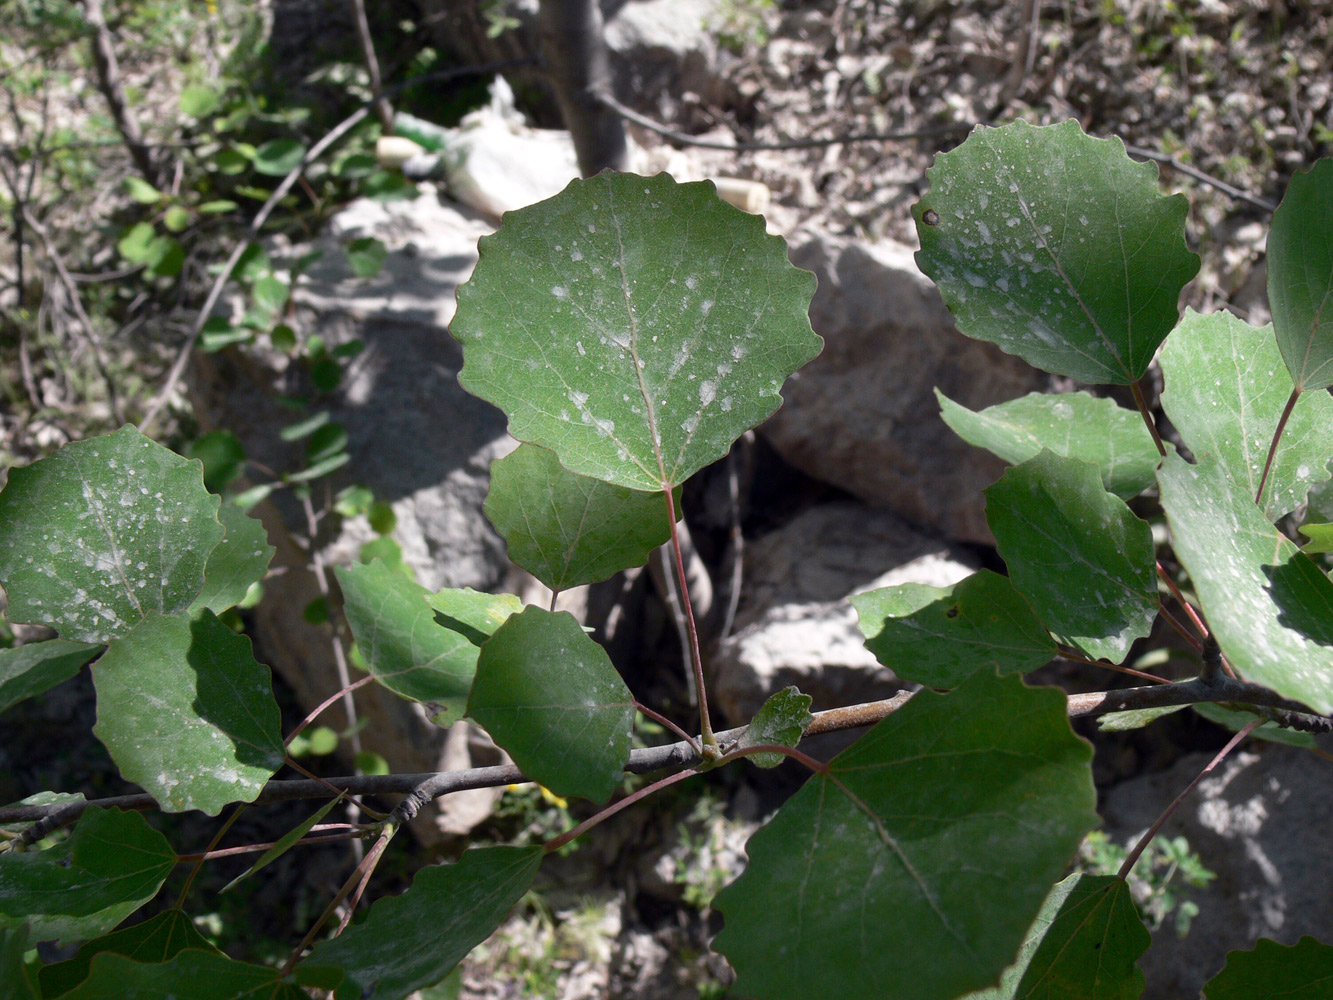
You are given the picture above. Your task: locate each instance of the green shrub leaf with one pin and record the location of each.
(406, 649)
(126, 527)
(1056, 247)
(240, 559)
(154, 940)
(549, 695)
(198, 100)
(1076, 552)
(13, 945)
(1225, 391)
(1268, 605)
(411, 941)
(1085, 943)
(1301, 971)
(1073, 424)
(566, 529)
(366, 256)
(634, 326)
(938, 636)
(187, 713)
(27, 671)
(872, 883)
(199, 975)
(279, 157)
(471, 613)
(112, 864)
(223, 457)
(1300, 277)
(781, 719)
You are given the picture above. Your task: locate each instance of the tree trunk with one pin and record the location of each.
(578, 69)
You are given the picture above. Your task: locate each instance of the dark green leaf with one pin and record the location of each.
(187, 713)
(241, 559)
(939, 635)
(413, 940)
(231, 161)
(253, 263)
(366, 256)
(27, 671)
(13, 974)
(382, 518)
(327, 441)
(1076, 552)
(223, 458)
(1225, 391)
(286, 842)
(279, 157)
(198, 975)
(407, 651)
(1301, 971)
(102, 533)
(1073, 424)
(219, 333)
(566, 529)
(166, 257)
(155, 940)
(283, 338)
(549, 695)
(634, 326)
(326, 374)
(1300, 277)
(1057, 247)
(1269, 606)
(915, 864)
(1084, 945)
(112, 864)
(781, 719)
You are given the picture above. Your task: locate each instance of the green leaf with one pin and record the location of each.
(1085, 943)
(253, 263)
(166, 257)
(549, 695)
(42, 799)
(914, 865)
(937, 636)
(1301, 971)
(199, 975)
(1119, 722)
(306, 427)
(198, 100)
(321, 468)
(141, 191)
(241, 559)
(1056, 247)
(286, 842)
(270, 294)
(327, 441)
(223, 458)
(176, 218)
(407, 651)
(1268, 605)
(1300, 277)
(366, 256)
(1321, 538)
(13, 973)
(155, 940)
(136, 245)
(414, 940)
(1225, 391)
(218, 333)
(1238, 720)
(104, 532)
(187, 713)
(1073, 424)
(112, 864)
(471, 613)
(566, 529)
(1077, 553)
(279, 157)
(781, 719)
(634, 326)
(216, 207)
(27, 671)
(231, 161)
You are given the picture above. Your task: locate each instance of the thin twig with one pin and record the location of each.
(109, 83)
(1277, 436)
(383, 111)
(1172, 586)
(1201, 177)
(696, 657)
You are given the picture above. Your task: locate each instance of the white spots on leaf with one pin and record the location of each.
(707, 392)
(725, 405)
(560, 292)
(692, 282)
(706, 306)
(1062, 410)
(576, 255)
(578, 346)
(984, 230)
(974, 279)
(690, 423)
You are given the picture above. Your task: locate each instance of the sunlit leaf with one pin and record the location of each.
(112, 864)
(187, 713)
(872, 882)
(472, 613)
(1073, 424)
(240, 560)
(634, 326)
(126, 527)
(1300, 277)
(1268, 605)
(782, 720)
(548, 694)
(940, 635)
(1225, 390)
(1057, 247)
(1077, 553)
(27, 671)
(566, 529)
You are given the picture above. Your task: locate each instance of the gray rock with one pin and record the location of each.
(1261, 822)
(416, 440)
(796, 626)
(863, 415)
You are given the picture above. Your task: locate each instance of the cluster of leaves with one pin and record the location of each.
(632, 329)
